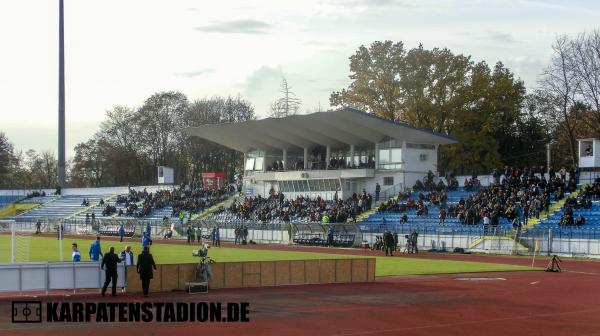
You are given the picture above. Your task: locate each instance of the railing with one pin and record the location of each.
(391, 191)
(20, 277)
(580, 241)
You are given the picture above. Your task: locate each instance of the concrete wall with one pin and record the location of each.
(412, 160)
(171, 277)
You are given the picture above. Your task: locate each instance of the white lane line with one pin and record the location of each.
(588, 273)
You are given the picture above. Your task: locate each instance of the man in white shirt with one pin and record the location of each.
(76, 256)
(127, 256)
(486, 220)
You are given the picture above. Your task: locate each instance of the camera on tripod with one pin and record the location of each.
(202, 274)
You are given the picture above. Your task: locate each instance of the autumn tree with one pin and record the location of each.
(441, 91)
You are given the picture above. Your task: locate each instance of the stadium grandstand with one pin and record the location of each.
(325, 154)
(346, 171)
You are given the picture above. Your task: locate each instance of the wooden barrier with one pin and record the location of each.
(169, 277)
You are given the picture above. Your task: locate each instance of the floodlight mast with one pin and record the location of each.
(61, 95)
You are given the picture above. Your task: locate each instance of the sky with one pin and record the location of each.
(121, 52)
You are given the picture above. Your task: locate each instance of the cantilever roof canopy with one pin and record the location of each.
(337, 129)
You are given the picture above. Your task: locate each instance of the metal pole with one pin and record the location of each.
(61, 96)
(60, 240)
(548, 159)
(13, 251)
(305, 158)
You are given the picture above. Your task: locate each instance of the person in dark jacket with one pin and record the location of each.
(189, 232)
(388, 242)
(109, 264)
(145, 265)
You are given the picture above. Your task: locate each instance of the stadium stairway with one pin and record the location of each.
(35, 203)
(591, 228)
(386, 195)
(93, 208)
(363, 215)
(553, 208)
(225, 203)
(59, 207)
(116, 214)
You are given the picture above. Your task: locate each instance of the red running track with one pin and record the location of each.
(499, 303)
(523, 303)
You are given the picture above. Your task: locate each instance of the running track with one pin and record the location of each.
(500, 303)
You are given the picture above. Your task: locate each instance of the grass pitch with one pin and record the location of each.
(43, 249)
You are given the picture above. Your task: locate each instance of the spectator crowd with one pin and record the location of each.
(276, 208)
(192, 198)
(514, 194)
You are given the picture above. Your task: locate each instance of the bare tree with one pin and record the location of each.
(585, 61)
(288, 104)
(558, 93)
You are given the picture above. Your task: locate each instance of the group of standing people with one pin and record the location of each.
(388, 242)
(194, 234)
(215, 235)
(241, 235)
(145, 262)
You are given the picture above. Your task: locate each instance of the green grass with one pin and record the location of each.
(414, 266)
(46, 249)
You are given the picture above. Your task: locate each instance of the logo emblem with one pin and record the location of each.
(27, 311)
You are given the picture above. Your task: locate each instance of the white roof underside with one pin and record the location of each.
(337, 129)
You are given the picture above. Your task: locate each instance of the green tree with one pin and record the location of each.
(439, 90)
(375, 74)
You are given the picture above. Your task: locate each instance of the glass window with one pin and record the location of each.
(396, 155)
(258, 164)
(384, 156)
(250, 164)
(420, 146)
(388, 180)
(295, 186)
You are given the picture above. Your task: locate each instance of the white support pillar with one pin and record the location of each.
(377, 155)
(404, 155)
(305, 158)
(351, 156)
(327, 156)
(284, 159)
